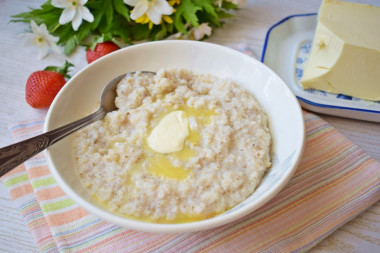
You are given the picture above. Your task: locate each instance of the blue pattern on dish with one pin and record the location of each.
(302, 57)
(342, 96)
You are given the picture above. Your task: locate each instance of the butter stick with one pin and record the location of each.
(345, 55)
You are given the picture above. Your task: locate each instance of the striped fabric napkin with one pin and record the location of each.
(332, 185)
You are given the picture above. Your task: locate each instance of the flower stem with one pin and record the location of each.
(55, 28)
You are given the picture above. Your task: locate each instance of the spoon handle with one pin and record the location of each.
(15, 154)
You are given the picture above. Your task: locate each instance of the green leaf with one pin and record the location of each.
(207, 6)
(98, 15)
(48, 15)
(70, 46)
(47, 5)
(124, 35)
(64, 32)
(140, 32)
(178, 23)
(161, 33)
(94, 4)
(224, 14)
(104, 26)
(227, 5)
(122, 9)
(22, 17)
(187, 10)
(120, 29)
(109, 11)
(170, 28)
(83, 31)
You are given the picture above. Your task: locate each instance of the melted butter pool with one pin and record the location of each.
(161, 164)
(181, 218)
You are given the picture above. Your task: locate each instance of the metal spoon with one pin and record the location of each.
(17, 153)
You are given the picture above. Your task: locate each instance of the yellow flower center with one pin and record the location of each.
(173, 2)
(39, 41)
(144, 19)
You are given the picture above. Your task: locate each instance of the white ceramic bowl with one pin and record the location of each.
(80, 96)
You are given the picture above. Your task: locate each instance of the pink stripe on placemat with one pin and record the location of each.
(332, 185)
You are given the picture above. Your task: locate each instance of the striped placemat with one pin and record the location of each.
(332, 185)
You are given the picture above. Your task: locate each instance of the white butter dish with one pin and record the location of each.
(286, 48)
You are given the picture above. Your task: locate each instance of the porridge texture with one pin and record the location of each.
(219, 159)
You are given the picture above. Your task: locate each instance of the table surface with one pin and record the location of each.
(250, 26)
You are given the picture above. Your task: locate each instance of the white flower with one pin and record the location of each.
(40, 37)
(74, 11)
(154, 9)
(201, 31)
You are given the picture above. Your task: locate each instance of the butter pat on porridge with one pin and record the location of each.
(168, 136)
(180, 147)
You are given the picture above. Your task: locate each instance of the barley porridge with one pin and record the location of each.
(181, 147)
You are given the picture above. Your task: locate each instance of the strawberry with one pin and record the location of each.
(101, 49)
(42, 86)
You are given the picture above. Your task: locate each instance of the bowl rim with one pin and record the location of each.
(215, 221)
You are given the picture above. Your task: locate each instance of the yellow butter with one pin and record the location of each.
(169, 135)
(345, 55)
(161, 166)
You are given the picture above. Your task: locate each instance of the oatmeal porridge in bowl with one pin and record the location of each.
(181, 147)
(203, 141)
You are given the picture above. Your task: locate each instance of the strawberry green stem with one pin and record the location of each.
(63, 70)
